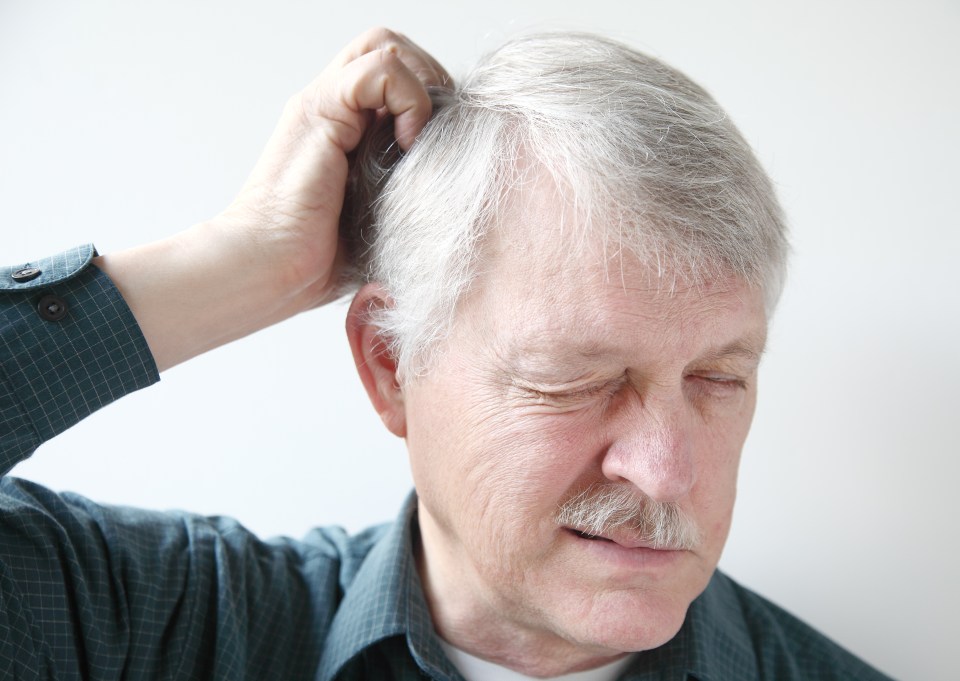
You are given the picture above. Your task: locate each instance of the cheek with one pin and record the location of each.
(521, 469)
(717, 468)
(531, 459)
(721, 433)
(489, 471)
(517, 468)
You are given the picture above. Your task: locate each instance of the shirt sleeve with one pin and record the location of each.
(100, 592)
(69, 345)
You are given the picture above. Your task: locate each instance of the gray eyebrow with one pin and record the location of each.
(751, 347)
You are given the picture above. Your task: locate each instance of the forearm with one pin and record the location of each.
(195, 291)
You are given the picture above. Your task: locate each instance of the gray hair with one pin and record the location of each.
(636, 146)
(621, 509)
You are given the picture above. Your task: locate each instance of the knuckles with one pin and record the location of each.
(382, 36)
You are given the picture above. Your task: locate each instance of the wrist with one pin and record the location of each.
(199, 289)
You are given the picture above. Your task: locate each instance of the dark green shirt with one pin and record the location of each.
(96, 592)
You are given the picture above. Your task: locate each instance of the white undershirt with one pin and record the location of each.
(474, 669)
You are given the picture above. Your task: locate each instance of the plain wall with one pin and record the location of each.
(124, 122)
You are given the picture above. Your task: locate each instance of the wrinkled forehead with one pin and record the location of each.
(549, 279)
(545, 233)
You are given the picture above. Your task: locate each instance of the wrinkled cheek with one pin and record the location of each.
(514, 489)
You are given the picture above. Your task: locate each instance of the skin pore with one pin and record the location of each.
(562, 373)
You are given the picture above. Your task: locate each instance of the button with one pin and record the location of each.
(52, 308)
(25, 274)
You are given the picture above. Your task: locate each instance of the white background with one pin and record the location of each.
(124, 122)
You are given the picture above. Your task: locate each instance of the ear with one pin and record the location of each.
(376, 366)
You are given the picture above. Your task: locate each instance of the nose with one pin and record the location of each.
(652, 447)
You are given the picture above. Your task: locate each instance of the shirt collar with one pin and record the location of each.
(385, 599)
(723, 647)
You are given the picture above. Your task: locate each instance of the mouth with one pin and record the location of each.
(624, 551)
(621, 540)
(591, 537)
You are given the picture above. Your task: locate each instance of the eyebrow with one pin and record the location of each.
(749, 348)
(562, 347)
(535, 358)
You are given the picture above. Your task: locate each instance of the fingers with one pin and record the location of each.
(420, 62)
(380, 80)
(378, 71)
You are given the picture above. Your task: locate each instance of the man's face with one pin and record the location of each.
(566, 372)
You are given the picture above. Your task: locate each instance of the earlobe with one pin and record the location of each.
(374, 361)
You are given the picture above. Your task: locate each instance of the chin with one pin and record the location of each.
(623, 601)
(628, 622)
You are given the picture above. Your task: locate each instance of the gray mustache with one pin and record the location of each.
(605, 508)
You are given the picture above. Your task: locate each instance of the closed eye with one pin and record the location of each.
(719, 383)
(574, 396)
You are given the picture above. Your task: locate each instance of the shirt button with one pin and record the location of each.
(25, 274)
(52, 308)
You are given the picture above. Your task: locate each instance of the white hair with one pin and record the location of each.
(641, 152)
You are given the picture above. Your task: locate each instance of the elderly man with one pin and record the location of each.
(562, 292)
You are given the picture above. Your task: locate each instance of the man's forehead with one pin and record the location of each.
(544, 229)
(555, 286)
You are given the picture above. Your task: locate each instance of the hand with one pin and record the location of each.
(275, 252)
(292, 201)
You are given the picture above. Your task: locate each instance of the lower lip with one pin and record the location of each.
(635, 558)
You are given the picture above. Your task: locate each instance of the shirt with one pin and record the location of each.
(97, 592)
(476, 669)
